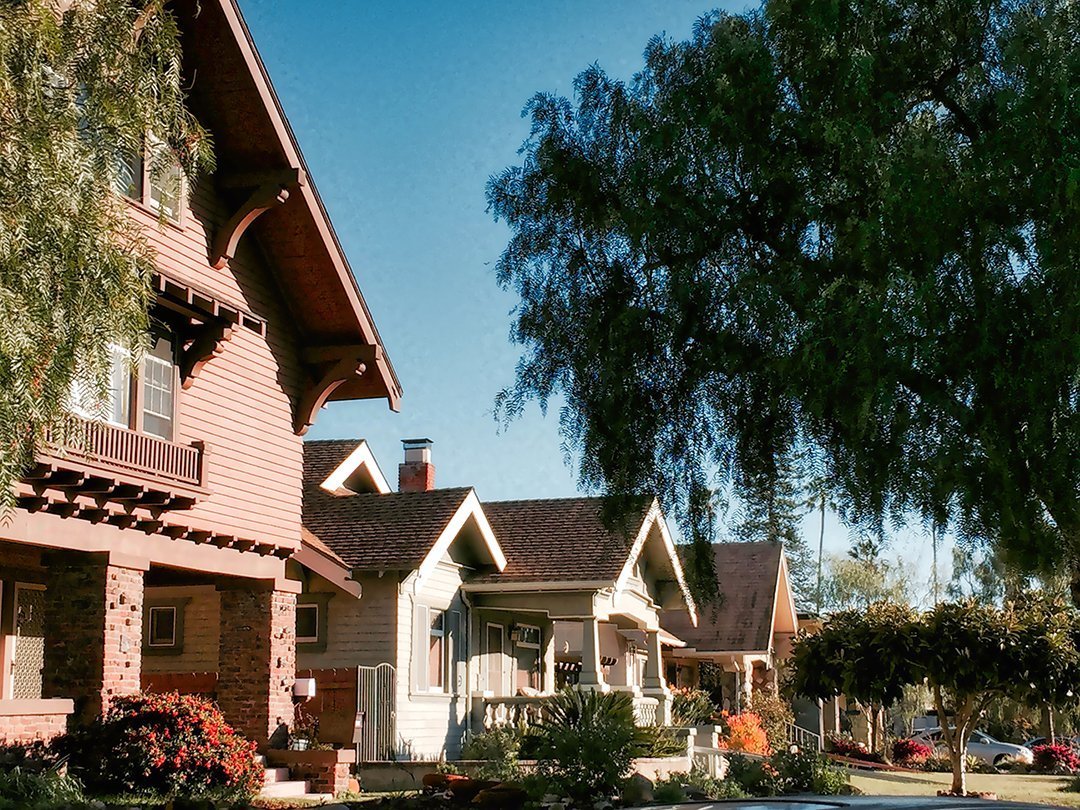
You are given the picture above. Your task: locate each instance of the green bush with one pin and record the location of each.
(787, 773)
(776, 716)
(162, 746)
(499, 750)
(691, 707)
(585, 747)
(27, 789)
(676, 787)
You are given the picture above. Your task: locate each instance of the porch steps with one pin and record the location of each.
(278, 785)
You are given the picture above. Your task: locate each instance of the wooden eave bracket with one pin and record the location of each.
(268, 189)
(332, 366)
(207, 341)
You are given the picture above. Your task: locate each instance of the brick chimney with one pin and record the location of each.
(417, 473)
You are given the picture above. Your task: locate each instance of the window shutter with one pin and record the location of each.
(421, 628)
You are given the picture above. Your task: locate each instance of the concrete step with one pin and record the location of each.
(285, 790)
(274, 775)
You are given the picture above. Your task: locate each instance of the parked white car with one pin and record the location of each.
(981, 746)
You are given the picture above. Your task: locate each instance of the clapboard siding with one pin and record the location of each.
(241, 405)
(201, 630)
(360, 632)
(430, 726)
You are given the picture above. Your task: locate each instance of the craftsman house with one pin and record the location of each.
(152, 552)
(466, 611)
(747, 633)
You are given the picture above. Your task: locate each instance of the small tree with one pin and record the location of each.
(862, 654)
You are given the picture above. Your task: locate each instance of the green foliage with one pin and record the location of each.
(813, 227)
(77, 91)
(586, 744)
(29, 789)
(691, 707)
(853, 583)
(776, 715)
(164, 745)
(500, 751)
(786, 773)
(673, 789)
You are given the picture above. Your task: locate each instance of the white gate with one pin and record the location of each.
(375, 701)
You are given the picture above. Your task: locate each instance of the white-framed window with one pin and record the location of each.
(167, 192)
(116, 409)
(129, 175)
(158, 384)
(152, 177)
(161, 626)
(307, 623)
(437, 647)
(528, 657)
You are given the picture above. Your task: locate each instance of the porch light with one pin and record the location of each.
(515, 633)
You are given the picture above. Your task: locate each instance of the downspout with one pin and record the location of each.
(466, 601)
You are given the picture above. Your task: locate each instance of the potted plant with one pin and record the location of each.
(305, 731)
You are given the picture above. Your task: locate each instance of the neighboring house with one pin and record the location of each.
(747, 632)
(456, 627)
(154, 555)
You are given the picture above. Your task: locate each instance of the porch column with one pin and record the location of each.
(257, 660)
(591, 677)
(652, 682)
(93, 630)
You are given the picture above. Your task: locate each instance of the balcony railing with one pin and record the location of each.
(85, 455)
(529, 711)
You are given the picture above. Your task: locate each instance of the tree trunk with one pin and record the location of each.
(1046, 726)
(959, 769)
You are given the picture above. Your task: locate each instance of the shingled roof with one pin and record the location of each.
(387, 532)
(560, 540)
(748, 575)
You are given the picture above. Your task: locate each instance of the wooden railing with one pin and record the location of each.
(116, 447)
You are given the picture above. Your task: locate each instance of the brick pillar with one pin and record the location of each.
(257, 661)
(93, 631)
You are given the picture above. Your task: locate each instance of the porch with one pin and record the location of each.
(78, 629)
(518, 711)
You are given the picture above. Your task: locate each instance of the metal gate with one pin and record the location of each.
(29, 657)
(375, 716)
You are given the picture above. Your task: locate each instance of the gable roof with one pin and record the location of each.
(748, 575)
(232, 95)
(384, 531)
(343, 465)
(561, 540)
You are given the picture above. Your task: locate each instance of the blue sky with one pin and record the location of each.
(403, 110)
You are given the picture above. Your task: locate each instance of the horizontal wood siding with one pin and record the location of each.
(241, 404)
(201, 630)
(360, 632)
(430, 726)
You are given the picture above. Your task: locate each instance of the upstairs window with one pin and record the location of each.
(437, 651)
(158, 386)
(152, 178)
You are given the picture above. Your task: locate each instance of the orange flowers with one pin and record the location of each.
(743, 732)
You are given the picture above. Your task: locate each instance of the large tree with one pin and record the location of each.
(849, 227)
(82, 86)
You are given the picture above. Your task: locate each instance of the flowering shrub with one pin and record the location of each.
(847, 747)
(776, 716)
(911, 753)
(165, 745)
(1056, 758)
(743, 732)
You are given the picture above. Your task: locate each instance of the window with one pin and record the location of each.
(162, 626)
(145, 403)
(437, 651)
(158, 373)
(528, 654)
(129, 175)
(307, 623)
(153, 178)
(166, 191)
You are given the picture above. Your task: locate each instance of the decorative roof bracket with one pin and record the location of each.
(207, 341)
(333, 366)
(268, 189)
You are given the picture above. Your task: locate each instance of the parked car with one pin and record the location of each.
(983, 747)
(1074, 742)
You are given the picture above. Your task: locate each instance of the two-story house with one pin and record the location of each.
(194, 479)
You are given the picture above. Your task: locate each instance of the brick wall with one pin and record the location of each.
(27, 728)
(93, 623)
(258, 662)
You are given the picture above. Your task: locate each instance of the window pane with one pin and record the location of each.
(436, 651)
(158, 396)
(307, 622)
(162, 626)
(165, 192)
(129, 175)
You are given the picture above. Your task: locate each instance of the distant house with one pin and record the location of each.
(467, 610)
(152, 553)
(747, 632)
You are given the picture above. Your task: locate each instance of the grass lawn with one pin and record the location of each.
(1023, 788)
